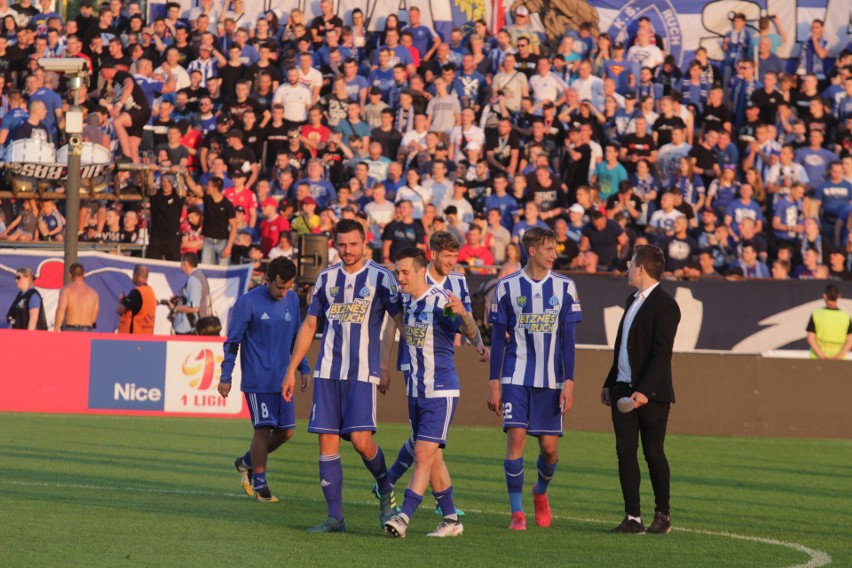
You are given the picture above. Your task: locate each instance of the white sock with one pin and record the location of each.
(632, 518)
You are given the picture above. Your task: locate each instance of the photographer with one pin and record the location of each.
(194, 300)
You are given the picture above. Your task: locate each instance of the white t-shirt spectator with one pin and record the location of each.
(548, 88)
(295, 100)
(419, 196)
(443, 111)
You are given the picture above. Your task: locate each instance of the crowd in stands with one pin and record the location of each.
(269, 128)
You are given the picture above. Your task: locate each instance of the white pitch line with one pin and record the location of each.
(818, 558)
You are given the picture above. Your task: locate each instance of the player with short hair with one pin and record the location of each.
(264, 323)
(445, 253)
(352, 297)
(539, 309)
(430, 318)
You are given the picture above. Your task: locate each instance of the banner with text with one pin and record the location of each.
(111, 276)
(752, 316)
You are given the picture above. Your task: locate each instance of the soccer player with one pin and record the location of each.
(264, 322)
(539, 309)
(352, 297)
(445, 253)
(430, 318)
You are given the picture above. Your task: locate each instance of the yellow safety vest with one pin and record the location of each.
(831, 327)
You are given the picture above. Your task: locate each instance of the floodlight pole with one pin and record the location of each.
(74, 130)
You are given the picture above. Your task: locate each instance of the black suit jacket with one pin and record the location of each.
(649, 346)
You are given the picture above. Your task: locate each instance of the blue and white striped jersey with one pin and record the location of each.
(534, 314)
(353, 306)
(454, 282)
(429, 336)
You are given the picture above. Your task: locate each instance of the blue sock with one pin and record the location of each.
(377, 467)
(446, 503)
(331, 480)
(545, 474)
(412, 501)
(514, 470)
(247, 459)
(404, 461)
(259, 480)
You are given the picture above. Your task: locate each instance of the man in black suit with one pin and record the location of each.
(642, 372)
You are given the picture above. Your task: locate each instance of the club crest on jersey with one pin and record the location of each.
(423, 316)
(522, 301)
(365, 292)
(554, 301)
(335, 290)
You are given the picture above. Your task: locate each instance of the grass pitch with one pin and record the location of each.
(128, 491)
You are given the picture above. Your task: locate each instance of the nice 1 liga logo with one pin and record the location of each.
(201, 369)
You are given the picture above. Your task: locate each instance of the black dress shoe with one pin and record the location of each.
(629, 526)
(662, 524)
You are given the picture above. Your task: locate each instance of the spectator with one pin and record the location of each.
(27, 310)
(567, 249)
(403, 232)
(475, 253)
(497, 235)
(744, 208)
(284, 248)
(51, 223)
(191, 239)
(679, 248)
(307, 221)
(606, 239)
(749, 265)
(781, 269)
(220, 223)
(272, 226)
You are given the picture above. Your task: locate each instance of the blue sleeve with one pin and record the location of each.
(498, 349)
(332, 193)
(35, 301)
(568, 348)
(390, 291)
(499, 312)
(466, 296)
(237, 324)
(304, 367)
(318, 305)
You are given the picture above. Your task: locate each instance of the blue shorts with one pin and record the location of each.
(431, 418)
(270, 410)
(343, 407)
(534, 409)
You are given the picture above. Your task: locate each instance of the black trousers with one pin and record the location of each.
(648, 422)
(164, 249)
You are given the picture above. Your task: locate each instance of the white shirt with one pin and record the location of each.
(312, 79)
(548, 88)
(648, 56)
(591, 89)
(624, 372)
(295, 100)
(473, 134)
(181, 76)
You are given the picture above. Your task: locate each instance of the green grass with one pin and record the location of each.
(107, 491)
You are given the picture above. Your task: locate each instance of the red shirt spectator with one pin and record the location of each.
(272, 226)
